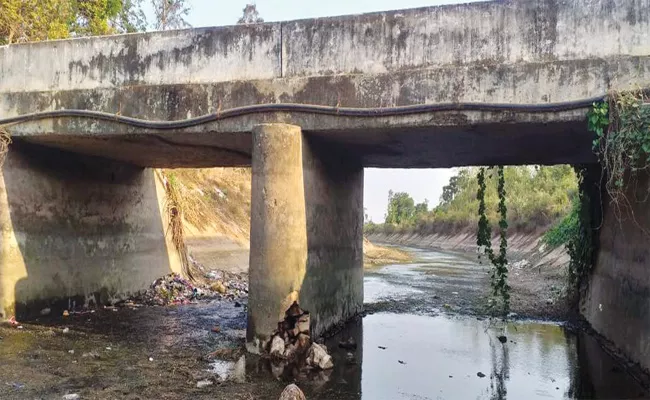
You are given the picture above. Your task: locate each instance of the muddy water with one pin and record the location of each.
(419, 342)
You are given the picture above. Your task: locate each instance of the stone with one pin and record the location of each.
(290, 351)
(203, 383)
(549, 301)
(503, 339)
(277, 347)
(71, 396)
(302, 325)
(317, 357)
(292, 392)
(480, 374)
(302, 342)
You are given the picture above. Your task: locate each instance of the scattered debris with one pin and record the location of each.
(174, 289)
(480, 374)
(382, 347)
(292, 392)
(91, 354)
(204, 383)
(503, 339)
(401, 362)
(16, 385)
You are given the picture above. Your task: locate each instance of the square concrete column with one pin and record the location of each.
(306, 232)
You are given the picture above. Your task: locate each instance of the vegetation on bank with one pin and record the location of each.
(538, 197)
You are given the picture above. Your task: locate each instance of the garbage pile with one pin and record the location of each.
(174, 289)
(291, 342)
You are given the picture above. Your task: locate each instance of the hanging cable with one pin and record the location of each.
(304, 109)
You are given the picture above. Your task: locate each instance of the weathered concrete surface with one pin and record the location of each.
(278, 257)
(76, 228)
(617, 301)
(503, 52)
(306, 232)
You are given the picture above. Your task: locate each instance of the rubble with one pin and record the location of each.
(291, 343)
(317, 357)
(292, 392)
(173, 289)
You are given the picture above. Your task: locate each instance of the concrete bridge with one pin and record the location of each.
(309, 104)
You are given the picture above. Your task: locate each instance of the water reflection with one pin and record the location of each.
(421, 357)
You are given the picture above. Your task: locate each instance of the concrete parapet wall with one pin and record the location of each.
(77, 228)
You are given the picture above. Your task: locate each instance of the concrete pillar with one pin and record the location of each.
(278, 255)
(306, 232)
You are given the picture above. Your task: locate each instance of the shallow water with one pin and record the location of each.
(425, 353)
(410, 348)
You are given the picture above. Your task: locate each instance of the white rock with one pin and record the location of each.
(203, 383)
(317, 357)
(66, 330)
(277, 346)
(72, 396)
(292, 392)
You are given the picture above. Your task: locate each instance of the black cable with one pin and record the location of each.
(306, 109)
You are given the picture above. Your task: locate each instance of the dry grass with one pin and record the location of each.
(5, 141)
(374, 256)
(215, 201)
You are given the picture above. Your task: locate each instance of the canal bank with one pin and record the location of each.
(419, 341)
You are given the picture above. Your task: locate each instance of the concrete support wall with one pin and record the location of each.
(617, 301)
(306, 232)
(77, 229)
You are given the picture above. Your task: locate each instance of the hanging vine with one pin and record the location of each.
(621, 125)
(499, 270)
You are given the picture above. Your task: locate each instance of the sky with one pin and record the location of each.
(421, 184)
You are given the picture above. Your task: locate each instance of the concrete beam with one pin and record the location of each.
(306, 232)
(495, 52)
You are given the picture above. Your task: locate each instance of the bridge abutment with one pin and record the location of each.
(617, 299)
(77, 229)
(306, 231)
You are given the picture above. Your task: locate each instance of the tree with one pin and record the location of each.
(170, 14)
(251, 15)
(449, 191)
(37, 20)
(132, 17)
(401, 208)
(421, 210)
(34, 20)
